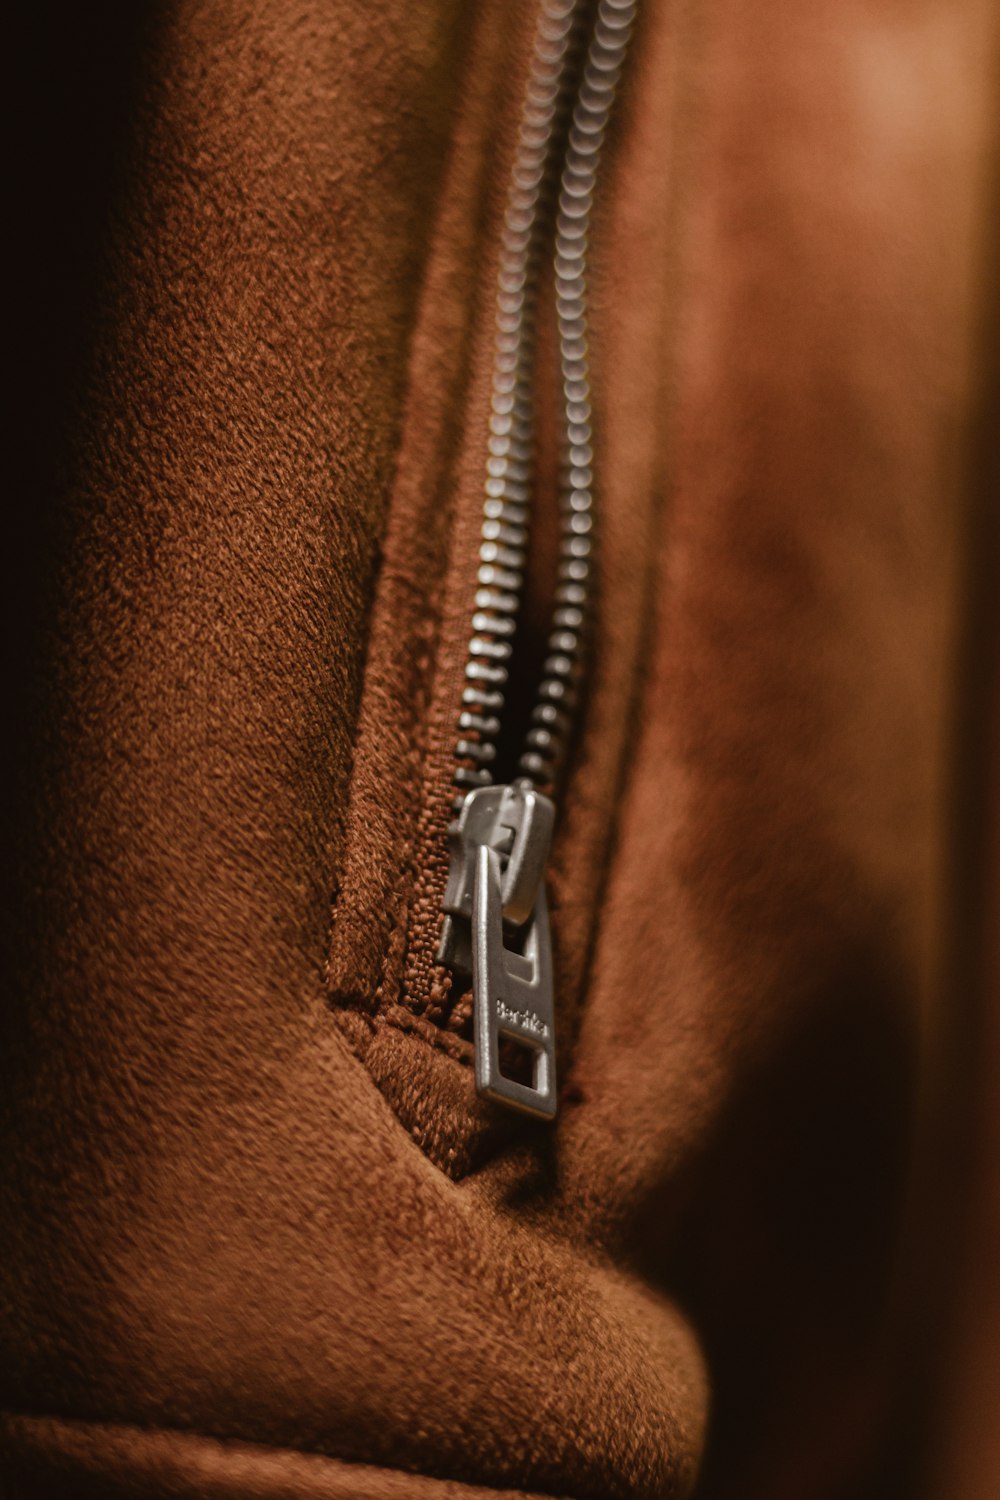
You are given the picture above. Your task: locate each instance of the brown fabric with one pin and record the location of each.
(249, 1203)
(401, 792)
(48, 1460)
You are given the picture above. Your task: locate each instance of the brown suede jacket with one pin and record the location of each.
(259, 1234)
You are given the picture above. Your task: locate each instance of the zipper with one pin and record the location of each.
(495, 929)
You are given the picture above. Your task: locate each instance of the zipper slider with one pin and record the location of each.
(497, 930)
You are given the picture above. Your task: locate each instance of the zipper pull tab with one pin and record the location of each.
(497, 930)
(512, 994)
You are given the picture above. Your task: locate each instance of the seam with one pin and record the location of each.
(415, 763)
(190, 1434)
(660, 496)
(428, 1033)
(421, 753)
(415, 708)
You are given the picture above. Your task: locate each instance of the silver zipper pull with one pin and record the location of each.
(512, 995)
(497, 931)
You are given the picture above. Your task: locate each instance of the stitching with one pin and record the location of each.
(417, 728)
(422, 752)
(428, 1033)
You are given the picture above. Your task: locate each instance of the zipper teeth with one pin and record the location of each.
(548, 739)
(504, 536)
(504, 533)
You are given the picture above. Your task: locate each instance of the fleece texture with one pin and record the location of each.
(258, 1239)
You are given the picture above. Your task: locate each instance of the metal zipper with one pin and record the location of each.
(496, 927)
